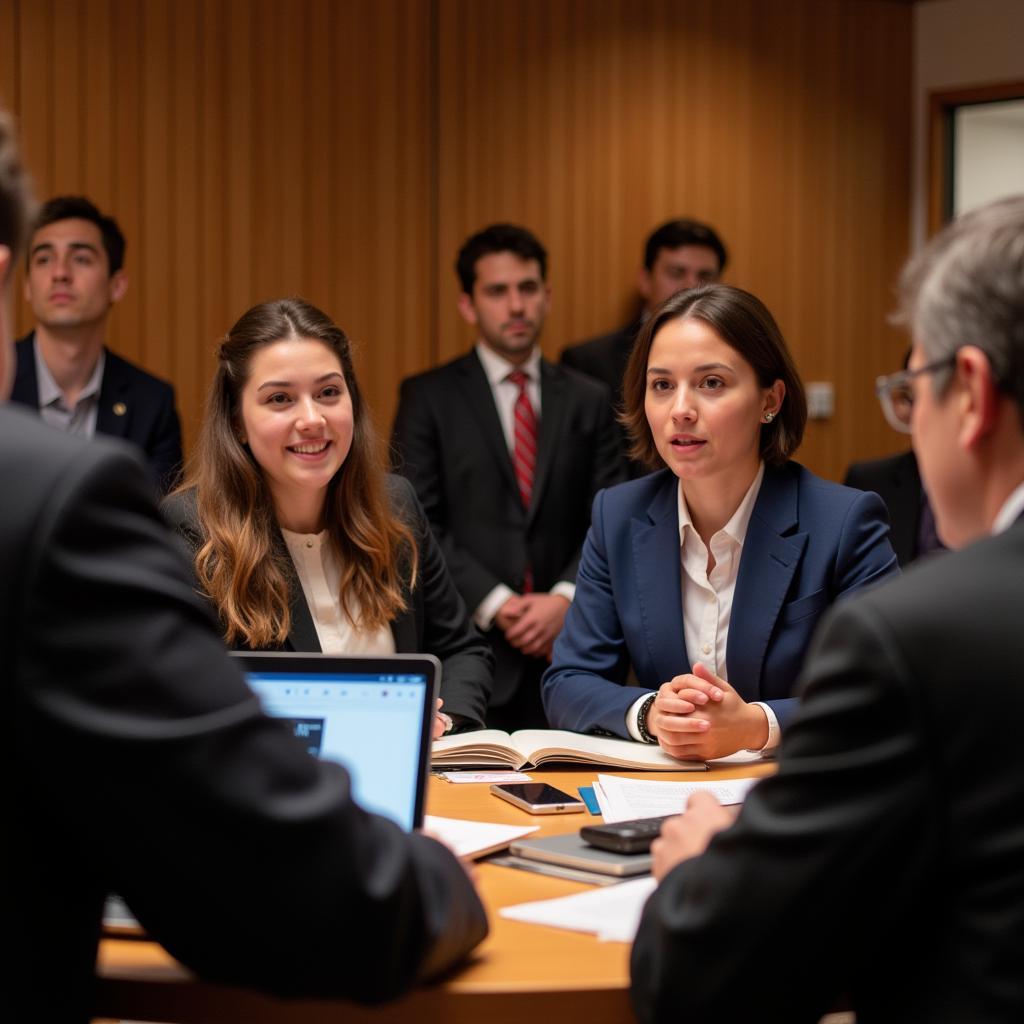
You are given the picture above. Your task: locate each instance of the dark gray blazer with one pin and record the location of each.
(897, 482)
(434, 621)
(605, 358)
(885, 860)
(136, 760)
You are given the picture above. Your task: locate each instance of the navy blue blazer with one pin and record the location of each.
(809, 542)
(133, 404)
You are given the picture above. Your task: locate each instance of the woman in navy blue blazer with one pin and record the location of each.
(709, 576)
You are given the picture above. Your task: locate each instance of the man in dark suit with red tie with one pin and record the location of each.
(506, 452)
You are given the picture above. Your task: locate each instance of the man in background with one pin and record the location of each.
(74, 274)
(137, 760)
(897, 481)
(506, 452)
(679, 255)
(885, 860)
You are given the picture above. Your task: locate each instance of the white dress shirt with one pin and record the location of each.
(707, 597)
(505, 394)
(1012, 510)
(320, 578)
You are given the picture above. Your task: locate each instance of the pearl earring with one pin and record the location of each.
(768, 417)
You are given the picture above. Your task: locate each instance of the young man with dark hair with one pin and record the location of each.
(506, 452)
(74, 274)
(138, 761)
(679, 255)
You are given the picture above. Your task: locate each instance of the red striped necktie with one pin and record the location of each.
(524, 447)
(524, 450)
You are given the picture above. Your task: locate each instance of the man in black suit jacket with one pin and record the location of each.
(885, 860)
(75, 273)
(897, 481)
(679, 255)
(137, 760)
(454, 438)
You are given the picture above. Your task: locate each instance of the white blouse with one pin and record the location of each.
(320, 577)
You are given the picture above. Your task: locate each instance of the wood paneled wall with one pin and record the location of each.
(254, 148)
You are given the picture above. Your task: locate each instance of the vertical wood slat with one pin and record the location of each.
(344, 151)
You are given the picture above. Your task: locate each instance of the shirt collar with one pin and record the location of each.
(738, 523)
(1012, 510)
(50, 392)
(497, 368)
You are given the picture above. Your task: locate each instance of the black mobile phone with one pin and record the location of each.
(538, 798)
(624, 836)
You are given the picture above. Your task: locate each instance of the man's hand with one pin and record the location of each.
(688, 835)
(698, 716)
(534, 621)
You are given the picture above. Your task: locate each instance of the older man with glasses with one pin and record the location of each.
(885, 860)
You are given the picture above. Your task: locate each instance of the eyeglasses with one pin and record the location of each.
(897, 397)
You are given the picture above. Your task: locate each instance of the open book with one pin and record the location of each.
(535, 747)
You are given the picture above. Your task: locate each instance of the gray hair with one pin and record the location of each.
(966, 287)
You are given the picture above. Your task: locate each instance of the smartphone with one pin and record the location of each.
(538, 798)
(633, 836)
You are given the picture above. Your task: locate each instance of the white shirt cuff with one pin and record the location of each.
(564, 589)
(774, 732)
(489, 607)
(633, 716)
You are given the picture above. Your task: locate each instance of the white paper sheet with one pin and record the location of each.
(474, 838)
(491, 777)
(611, 912)
(624, 799)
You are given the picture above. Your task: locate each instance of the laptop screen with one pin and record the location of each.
(372, 715)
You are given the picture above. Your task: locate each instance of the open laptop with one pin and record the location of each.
(374, 715)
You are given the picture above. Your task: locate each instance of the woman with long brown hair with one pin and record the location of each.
(299, 537)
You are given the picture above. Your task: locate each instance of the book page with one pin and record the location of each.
(559, 744)
(479, 747)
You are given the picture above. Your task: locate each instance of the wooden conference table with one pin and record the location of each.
(520, 974)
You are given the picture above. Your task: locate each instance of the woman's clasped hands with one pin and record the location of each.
(698, 716)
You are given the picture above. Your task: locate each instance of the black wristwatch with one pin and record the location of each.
(641, 720)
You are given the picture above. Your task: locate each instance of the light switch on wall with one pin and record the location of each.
(821, 400)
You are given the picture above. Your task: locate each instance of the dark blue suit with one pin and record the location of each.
(809, 542)
(132, 404)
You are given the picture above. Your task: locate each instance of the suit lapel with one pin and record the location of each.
(659, 583)
(114, 407)
(552, 414)
(26, 383)
(767, 566)
(302, 636)
(405, 630)
(476, 391)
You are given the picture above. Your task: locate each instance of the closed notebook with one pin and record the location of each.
(569, 850)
